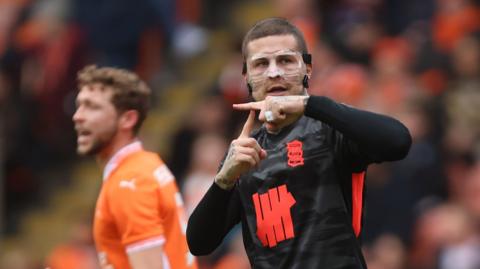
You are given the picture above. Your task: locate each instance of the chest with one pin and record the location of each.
(299, 179)
(298, 160)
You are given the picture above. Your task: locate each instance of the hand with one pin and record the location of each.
(277, 111)
(244, 153)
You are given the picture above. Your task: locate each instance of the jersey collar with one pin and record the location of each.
(119, 156)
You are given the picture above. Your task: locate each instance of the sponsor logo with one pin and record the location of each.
(128, 184)
(274, 220)
(163, 175)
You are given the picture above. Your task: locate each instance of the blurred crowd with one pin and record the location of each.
(418, 61)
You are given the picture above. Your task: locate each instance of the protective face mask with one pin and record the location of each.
(286, 63)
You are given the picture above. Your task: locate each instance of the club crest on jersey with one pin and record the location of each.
(295, 153)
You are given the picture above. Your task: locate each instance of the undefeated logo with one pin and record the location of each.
(295, 153)
(274, 221)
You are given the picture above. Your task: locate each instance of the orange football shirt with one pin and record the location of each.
(139, 207)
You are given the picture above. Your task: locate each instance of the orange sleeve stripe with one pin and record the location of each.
(357, 201)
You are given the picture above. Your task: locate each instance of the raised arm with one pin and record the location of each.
(379, 137)
(220, 208)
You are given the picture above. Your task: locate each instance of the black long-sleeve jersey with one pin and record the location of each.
(302, 207)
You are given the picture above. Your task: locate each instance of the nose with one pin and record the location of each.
(273, 71)
(78, 115)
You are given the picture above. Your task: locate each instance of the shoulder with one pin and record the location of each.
(143, 166)
(151, 167)
(135, 179)
(307, 126)
(311, 125)
(141, 163)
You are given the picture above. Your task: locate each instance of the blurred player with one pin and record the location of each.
(139, 218)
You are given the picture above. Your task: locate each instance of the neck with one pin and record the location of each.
(272, 130)
(118, 142)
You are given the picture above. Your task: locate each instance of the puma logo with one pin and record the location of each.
(129, 184)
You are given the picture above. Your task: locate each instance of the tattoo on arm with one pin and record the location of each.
(221, 179)
(224, 183)
(231, 151)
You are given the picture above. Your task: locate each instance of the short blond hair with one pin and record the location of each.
(273, 27)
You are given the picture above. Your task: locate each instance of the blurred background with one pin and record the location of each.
(418, 61)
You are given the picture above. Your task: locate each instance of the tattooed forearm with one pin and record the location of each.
(222, 178)
(231, 151)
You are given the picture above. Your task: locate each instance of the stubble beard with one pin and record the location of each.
(291, 82)
(98, 144)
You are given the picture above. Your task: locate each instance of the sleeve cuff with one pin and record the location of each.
(217, 191)
(145, 244)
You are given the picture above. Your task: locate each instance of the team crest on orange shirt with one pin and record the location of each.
(295, 153)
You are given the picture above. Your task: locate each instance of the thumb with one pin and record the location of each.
(248, 126)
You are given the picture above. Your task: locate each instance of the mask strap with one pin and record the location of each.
(305, 82)
(250, 89)
(307, 58)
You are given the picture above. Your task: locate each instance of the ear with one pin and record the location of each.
(309, 69)
(245, 77)
(128, 119)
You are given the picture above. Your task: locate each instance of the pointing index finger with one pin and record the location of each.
(248, 126)
(249, 106)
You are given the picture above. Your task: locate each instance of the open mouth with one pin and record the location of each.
(83, 133)
(276, 90)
